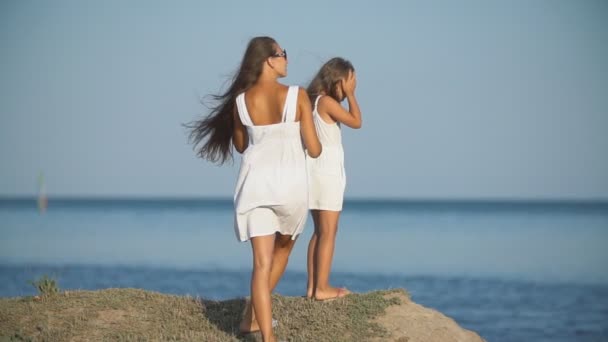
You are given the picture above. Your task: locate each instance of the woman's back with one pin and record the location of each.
(271, 188)
(265, 103)
(273, 116)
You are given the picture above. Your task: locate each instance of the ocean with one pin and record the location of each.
(509, 270)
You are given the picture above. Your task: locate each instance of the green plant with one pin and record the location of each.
(46, 286)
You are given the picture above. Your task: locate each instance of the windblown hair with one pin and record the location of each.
(215, 130)
(328, 78)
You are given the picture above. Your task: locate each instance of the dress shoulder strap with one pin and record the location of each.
(291, 104)
(317, 102)
(242, 110)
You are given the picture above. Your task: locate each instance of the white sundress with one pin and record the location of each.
(271, 189)
(326, 176)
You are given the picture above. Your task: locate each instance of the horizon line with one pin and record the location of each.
(346, 199)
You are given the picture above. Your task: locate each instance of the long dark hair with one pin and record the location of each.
(215, 130)
(328, 77)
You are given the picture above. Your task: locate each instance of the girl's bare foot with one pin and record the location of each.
(331, 293)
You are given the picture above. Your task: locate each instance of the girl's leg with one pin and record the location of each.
(311, 256)
(263, 247)
(328, 228)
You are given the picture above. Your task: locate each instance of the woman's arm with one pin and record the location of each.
(240, 139)
(307, 125)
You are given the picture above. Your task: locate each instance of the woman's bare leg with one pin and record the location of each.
(263, 248)
(283, 244)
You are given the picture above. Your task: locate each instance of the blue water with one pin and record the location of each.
(512, 271)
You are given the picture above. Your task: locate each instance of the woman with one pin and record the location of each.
(335, 81)
(267, 122)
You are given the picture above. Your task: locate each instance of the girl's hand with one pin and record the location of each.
(349, 84)
(332, 107)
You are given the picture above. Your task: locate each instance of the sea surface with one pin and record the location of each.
(509, 270)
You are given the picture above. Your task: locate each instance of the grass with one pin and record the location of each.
(139, 315)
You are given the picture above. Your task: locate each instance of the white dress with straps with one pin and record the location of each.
(326, 176)
(271, 189)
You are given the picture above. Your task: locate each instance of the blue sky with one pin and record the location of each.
(471, 99)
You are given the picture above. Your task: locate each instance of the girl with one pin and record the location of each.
(267, 122)
(335, 81)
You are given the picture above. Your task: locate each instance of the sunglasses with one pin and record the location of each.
(281, 54)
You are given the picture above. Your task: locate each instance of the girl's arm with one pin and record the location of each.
(350, 118)
(307, 125)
